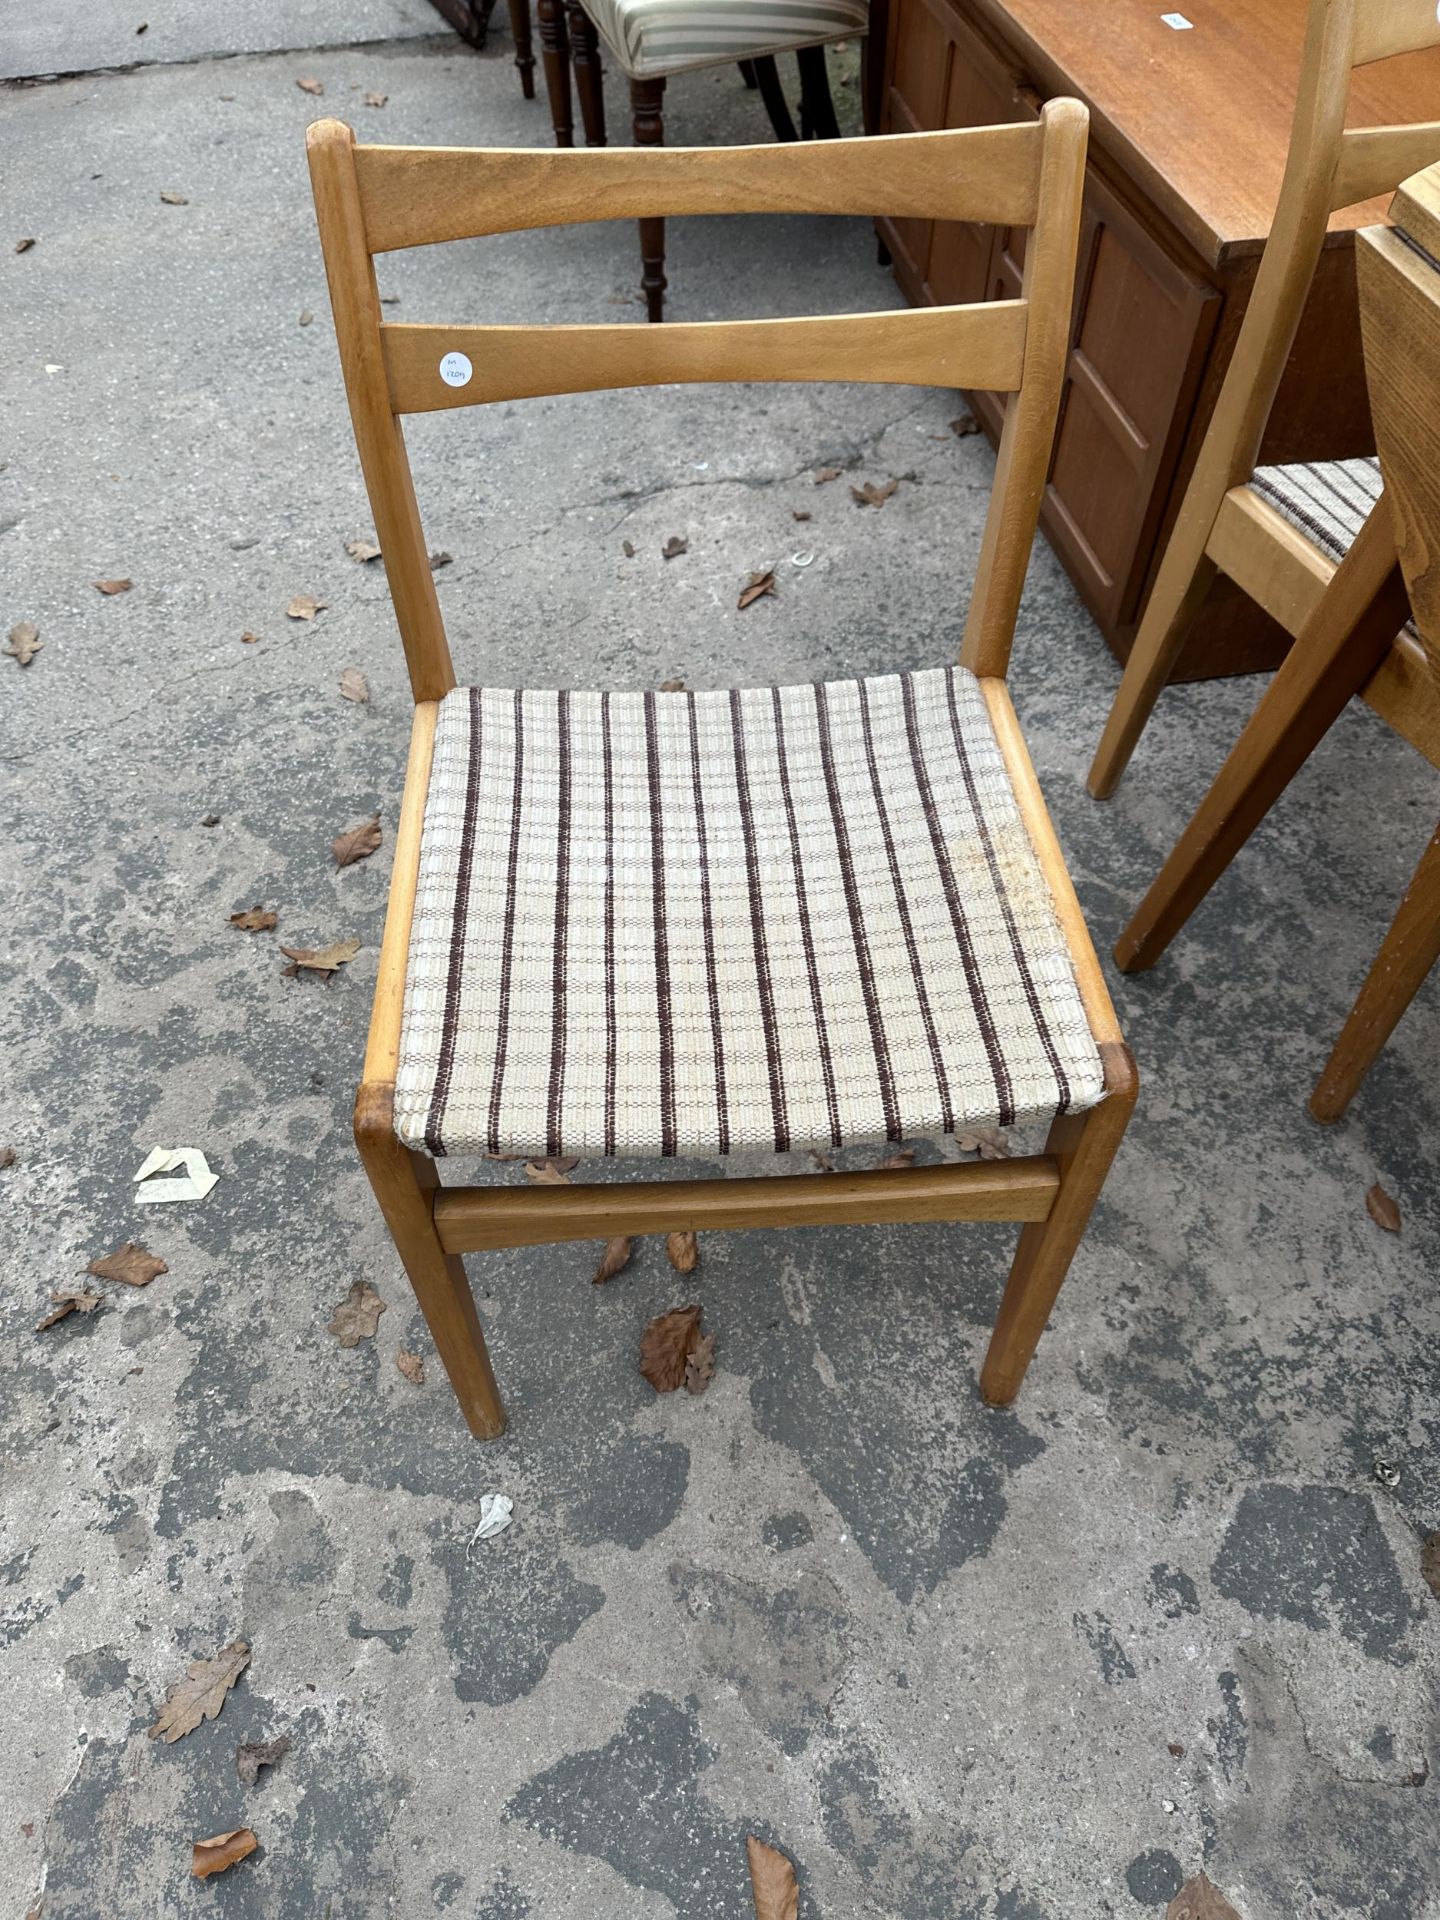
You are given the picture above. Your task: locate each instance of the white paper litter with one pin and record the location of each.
(193, 1184)
(495, 1512)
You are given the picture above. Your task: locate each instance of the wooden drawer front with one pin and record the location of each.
(1141, 330)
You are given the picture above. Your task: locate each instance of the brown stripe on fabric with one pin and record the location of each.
(878, 1041)
(610, 1036)
(1330, 538)
(757, 930)
(707, 922)
(445, 1065)
(663, 1009)
(902, 904)
(807, 937)
(1017, 949)
(555, 1103)
(1004, 1095)
(502, 1017)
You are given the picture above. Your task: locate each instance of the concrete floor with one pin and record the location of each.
(1034, 1665)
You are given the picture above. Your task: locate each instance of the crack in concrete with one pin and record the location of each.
(386, 43)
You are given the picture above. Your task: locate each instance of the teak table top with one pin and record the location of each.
(1200, 118)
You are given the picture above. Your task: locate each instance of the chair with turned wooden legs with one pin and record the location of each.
(1278, 532)
(691, 924)
(1347, 648)
(524, 47)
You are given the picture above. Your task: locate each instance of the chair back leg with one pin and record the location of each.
(585, 53)
(1411, 949)
(817, 107)
(647, 102)
(555, 53)
(767, 78)
(524, 46)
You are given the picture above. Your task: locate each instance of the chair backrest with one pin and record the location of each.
(1399, 274)
(371, 200)
(1329, 166)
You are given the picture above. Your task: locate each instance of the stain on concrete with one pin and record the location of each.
(1115, 1663)
(907, 1866)
(511, 1603)
(639, 1802)
(1154, 1877)
(1317, 1556)
(101, 1671)
(784, 1653)
(784, 1532)
(1229, 1734)
(295, 1568)
(1173, 1592)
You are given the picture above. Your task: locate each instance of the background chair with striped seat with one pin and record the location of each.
(1279, 532)
(668, 924)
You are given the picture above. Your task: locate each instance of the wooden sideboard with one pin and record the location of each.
(1188, 136)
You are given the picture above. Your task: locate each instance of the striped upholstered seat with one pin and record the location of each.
(698, 923)
(1327, 500)
(667, 36)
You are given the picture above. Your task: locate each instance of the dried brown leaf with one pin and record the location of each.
(130, 1264)
(256, 919)
(24, 246)
(362, 550)
(210, 820)
(902, 1157)
(319, 959)
(988, 1142)
(700, 1364)
(1200, 1899)
(248, 639)
(869, 495)
(23, 642)
(1382, 1209)
(220, 1851)
(441, 559)
(824, 474)
(7, 1156)
(672, 686)
(823, 1162)
(616, 1255)
(627, 547)
(682, 1250)
(552, 1172)
(755, 588)
(964, 425)
(201, 1694)
(354, 686)
(305, 607)
(1175, 1750)
(254, 1754)
(772, 1881)
(356, 843)
(357, 1316)
(309, 84)
(376, 99)
(674, 547)
(801, 513)
(665, 1347)
(69, 1300)
(412, 1366)
(173, 199)
(1430, 1563)
(112, 587)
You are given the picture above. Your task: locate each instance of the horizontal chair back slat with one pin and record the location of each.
(1386, 27)
(1373, 159)
(417, 196)
(968, 347)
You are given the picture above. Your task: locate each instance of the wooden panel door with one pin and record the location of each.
(982, 91)
(917, 76)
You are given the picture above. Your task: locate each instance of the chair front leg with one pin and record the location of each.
(767, 78)
(585, 51)
(1411, 949)
(555, 52)
(647, 102)
(1084, 1144)
(524, 54)
(817, 107)
(405, 1184)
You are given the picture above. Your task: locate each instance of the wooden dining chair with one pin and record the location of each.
(1278, 532)
(1348, 643)
(653, 40)
(699, 923)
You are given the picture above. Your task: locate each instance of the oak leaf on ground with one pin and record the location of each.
(112, 587)
(616, 1255)
(23, 642)
(305, 606)
(201, 1694)
(376, 99)
(322, 960)
(822, 474)
(869, 495)
(67, 1301)
(682, 1250)
(551, 1173)
(674, 547)
(220, 1851)
(412, 1366)
(130, 1264)
(1200, 1899)
(356, 843)
(357, 1316)
(700, 1364)
(172, 199)
(772, 1882)
(254, 1754)
(256, 919)
(902, 1157)
(1382, 1209)
(354, 686)
(362, 550)
(665, 1347)
(756, 588)
(309, 84)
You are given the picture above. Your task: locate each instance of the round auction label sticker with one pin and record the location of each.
(455, 370)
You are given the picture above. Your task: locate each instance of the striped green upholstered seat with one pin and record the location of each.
(664, 36)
